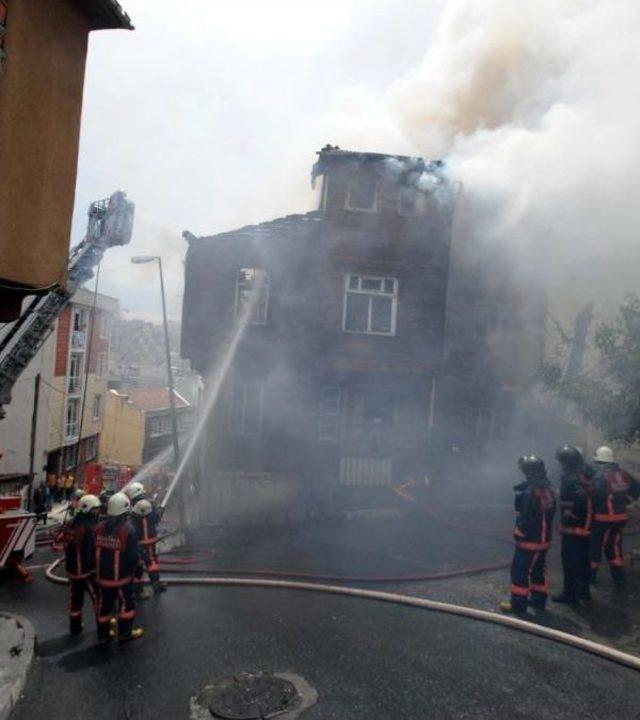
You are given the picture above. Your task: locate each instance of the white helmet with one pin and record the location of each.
(79, 493)
(88, 503)
(118, 504)
(133, 489)
(142, 508)
(604, 454)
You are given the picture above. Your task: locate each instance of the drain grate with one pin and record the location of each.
(251, 696)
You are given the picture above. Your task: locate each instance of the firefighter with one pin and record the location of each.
(75, 501)
(78, 540)
(117, 556)
(575, 525)
(134, 490)
(535, 506)
(613, 490)
(145, 520)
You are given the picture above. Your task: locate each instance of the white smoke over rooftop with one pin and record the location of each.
(535, 106)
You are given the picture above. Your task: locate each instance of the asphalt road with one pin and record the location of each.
(366, 660)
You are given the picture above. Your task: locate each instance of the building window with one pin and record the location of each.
(252, 295)
(159, 425)
(411, 201)
(69, 457)
(74, 381)
(78, 328)
(245, 417)
(105, 325)
(370, 305)
(362, 193)
(102, 365)
(72, 425)
(329, 415)
(97, 408)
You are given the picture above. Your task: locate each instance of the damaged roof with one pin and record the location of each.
(106, 14)
(151, 399)
(279, 226)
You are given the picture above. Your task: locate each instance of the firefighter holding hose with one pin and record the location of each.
(146, 518)
(535, 506)
(117, 556)
(77, 537)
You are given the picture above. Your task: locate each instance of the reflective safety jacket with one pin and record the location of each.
(576, 505)
(614, 488)
(146, 527)
(117, 552)
(535, 506)
(77, 539)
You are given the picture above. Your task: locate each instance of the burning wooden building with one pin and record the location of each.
(330, 396)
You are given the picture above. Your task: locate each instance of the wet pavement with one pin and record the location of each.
(366, 659)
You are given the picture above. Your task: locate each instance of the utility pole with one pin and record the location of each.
(140, 259)
(34, 428)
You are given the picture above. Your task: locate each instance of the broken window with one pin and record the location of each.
(411, 201)
(362, 193)
(252, 295)
(246, 408)
(330, 409)
(370, 305)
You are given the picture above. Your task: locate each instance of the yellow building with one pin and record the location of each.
(137, 424)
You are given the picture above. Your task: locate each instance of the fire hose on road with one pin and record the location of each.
(513, 623)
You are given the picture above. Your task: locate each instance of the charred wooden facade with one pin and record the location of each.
(330, 388)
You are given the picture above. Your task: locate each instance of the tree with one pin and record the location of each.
(608, 395)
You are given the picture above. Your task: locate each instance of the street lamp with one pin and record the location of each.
(140, 260)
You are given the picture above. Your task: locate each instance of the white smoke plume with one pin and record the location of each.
(535, 106)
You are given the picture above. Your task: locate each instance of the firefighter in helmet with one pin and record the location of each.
(576, 519)
(117, 556)
(535, 506)
(613, 490)
(145, 519)
(78, 542)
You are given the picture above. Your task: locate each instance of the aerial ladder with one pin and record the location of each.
(110, 224)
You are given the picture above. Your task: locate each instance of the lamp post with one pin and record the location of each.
(139, 260)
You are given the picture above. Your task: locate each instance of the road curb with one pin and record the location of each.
(17, 646)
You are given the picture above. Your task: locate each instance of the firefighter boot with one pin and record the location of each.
(135, 634)
(159, 587)
(564, 599)
(75, 625)
(507, 606)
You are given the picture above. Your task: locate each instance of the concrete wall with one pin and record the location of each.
(40, 106)
(123, 431)
(15, 429)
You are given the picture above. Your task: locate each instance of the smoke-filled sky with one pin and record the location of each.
(210, 112)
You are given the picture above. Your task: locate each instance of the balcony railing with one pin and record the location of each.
(74, 386)
(78, 339)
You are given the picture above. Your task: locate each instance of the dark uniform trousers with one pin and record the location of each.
(77, 589)
(575, 565)
(121, 598)
(607, 538)
(529, 582)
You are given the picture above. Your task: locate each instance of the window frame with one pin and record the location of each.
(337, 415)
(102, 365)
(105, 325)
(232, 407)
(376, 194)
(160, 432)
(264, 287)
(371, 294)
(97, 404)
(72, 425)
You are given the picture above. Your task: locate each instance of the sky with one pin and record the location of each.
(209, 115)
(210, 112)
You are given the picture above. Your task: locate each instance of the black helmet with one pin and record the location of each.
(569, 456)
(532, 466)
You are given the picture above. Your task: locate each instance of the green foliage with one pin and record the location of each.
(609, 396)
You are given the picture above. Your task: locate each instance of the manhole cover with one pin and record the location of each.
(251, 696)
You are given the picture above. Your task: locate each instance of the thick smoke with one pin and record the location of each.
(535, 107)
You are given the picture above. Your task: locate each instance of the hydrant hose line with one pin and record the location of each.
(513, 623)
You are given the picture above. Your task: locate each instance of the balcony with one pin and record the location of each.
(78, 339)
(74, 385)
